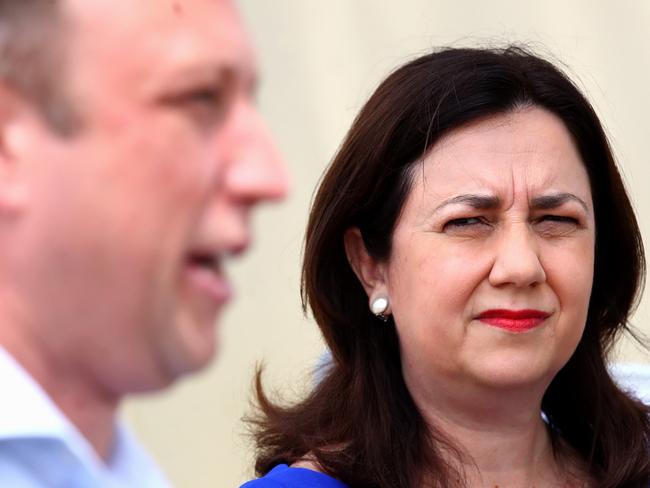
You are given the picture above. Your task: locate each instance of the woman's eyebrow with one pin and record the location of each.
(491, 202)
(480, 202)
(547, 202)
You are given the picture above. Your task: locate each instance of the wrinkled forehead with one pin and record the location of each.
(528, 149)
(151, 38)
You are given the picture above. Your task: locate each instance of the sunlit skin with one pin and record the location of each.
(101, 282)
(499, 217)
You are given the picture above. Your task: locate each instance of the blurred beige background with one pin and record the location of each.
(319, 61)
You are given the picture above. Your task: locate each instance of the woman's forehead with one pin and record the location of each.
(528, 151)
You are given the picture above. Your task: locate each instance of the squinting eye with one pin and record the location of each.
(556, 225)
(559, 218)
(466, 224)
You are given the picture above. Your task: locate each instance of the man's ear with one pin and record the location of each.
(370, 273)
(13, 111)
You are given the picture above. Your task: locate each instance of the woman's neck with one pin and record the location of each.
(502, 436)
(504, 455)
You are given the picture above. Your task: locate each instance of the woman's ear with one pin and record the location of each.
(369, 271)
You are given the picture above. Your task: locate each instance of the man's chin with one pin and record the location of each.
(192, 356)
(170, 371)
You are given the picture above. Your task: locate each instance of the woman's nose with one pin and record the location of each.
(517, 258)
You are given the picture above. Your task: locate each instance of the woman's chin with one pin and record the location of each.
(512, 371)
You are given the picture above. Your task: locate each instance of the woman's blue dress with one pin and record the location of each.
(282, 476)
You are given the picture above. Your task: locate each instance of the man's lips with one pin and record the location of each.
(204, 266)
(205, 274)
(513, 320)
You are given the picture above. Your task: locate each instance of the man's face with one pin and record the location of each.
(130, 219)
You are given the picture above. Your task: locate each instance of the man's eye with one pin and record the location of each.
(206, 105)
(208, 96)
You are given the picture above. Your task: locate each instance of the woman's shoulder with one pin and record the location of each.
(283, 476)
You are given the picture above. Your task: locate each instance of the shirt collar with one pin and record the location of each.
(26, 410)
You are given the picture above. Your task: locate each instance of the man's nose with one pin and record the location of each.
(517, 258)
(255, 169)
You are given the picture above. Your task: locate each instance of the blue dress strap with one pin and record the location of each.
(282, 476)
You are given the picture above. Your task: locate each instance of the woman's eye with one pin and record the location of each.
(466, 225)
(464, 222)
(556, 225)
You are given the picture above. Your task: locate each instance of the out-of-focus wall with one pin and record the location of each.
(319, 62)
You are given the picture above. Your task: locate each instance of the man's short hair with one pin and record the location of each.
(32, 54)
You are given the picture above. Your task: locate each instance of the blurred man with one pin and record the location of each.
(131, 156)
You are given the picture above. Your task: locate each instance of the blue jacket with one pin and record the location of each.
(282, 476)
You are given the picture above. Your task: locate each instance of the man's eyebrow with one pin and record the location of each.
(230, 75)
(548, 202)
(480, 202)
(210, 71)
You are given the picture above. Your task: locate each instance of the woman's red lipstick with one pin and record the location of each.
(513, 320)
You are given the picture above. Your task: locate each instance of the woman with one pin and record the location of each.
(471, 257)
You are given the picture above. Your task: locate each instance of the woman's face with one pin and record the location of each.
(492, 262)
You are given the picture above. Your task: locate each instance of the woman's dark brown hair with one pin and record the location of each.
(359, 423)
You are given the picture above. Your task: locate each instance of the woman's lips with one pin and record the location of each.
(513, 320)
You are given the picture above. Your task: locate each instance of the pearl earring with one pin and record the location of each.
(379, 306)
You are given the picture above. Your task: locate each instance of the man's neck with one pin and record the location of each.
(90, 409)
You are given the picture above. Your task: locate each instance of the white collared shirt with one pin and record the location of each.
(40, 447)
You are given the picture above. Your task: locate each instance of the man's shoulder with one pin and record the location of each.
(39, 445)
